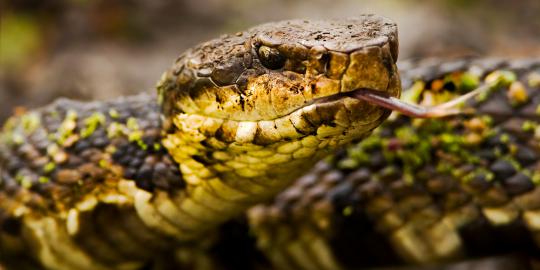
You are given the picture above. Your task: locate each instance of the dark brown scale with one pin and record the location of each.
(341, 193)
(518, 184)
(439, 185)
(389, 173)
(400, 189)
(487, 154)
(502, 169)
(370, 190)
(479, 183)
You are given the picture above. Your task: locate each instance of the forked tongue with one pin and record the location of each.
(451, 107)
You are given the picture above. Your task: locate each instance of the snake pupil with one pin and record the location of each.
(271, 58)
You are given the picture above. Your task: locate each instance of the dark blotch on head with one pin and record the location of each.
(226, 73)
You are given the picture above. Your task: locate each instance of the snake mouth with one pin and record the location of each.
(350, 94)
(331, 108)
(357, 94)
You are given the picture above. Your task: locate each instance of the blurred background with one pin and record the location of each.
(95, 49)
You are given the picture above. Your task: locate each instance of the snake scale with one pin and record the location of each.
(147, 182)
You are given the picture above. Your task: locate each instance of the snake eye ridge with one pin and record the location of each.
(271, 58)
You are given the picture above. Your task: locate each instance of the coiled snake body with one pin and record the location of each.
(139, 182)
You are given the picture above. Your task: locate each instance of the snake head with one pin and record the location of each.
(273, 70)
(282, 91)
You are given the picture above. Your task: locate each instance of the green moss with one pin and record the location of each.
(406, 135)
(92, 123)
(54, 114)
(53, 149)
(114, 114)
(481, 97)
(412, 159)
(517, 166)
(17, 138)
(447, 144)
(9, 125)
(505, 138)
(529, 126)
(357, 154)
(142, 145)
(468, 82)
(115, 130)
(348, 163)
(496, 80)
(44, 179)
(67, 127)
(414, 93)
(30, 122)
(536, 178)
(24, 181)
(408, 177)
(534, 79)
(414, 152)
(479, 172)
(500, 78)
(135, 134)
(132, 124)
(49, 167)
(488, 120)
(347, 211)
(104, 164)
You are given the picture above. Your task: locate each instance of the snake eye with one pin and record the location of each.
(271, 58)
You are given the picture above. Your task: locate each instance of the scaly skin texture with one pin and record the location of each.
(111, 186)
(422, 191)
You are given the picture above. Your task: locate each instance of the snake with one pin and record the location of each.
(150, 181)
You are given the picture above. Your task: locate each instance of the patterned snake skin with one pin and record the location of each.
(422, 191)
(137, 182)
(144, 182)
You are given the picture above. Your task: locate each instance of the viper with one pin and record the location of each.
(145, 182)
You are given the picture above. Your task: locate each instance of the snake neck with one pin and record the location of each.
(227, 170)
(223, 176)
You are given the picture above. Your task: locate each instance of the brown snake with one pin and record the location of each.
(130, 183)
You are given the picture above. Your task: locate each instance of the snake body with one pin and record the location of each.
(145, 182)
(125, 183)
